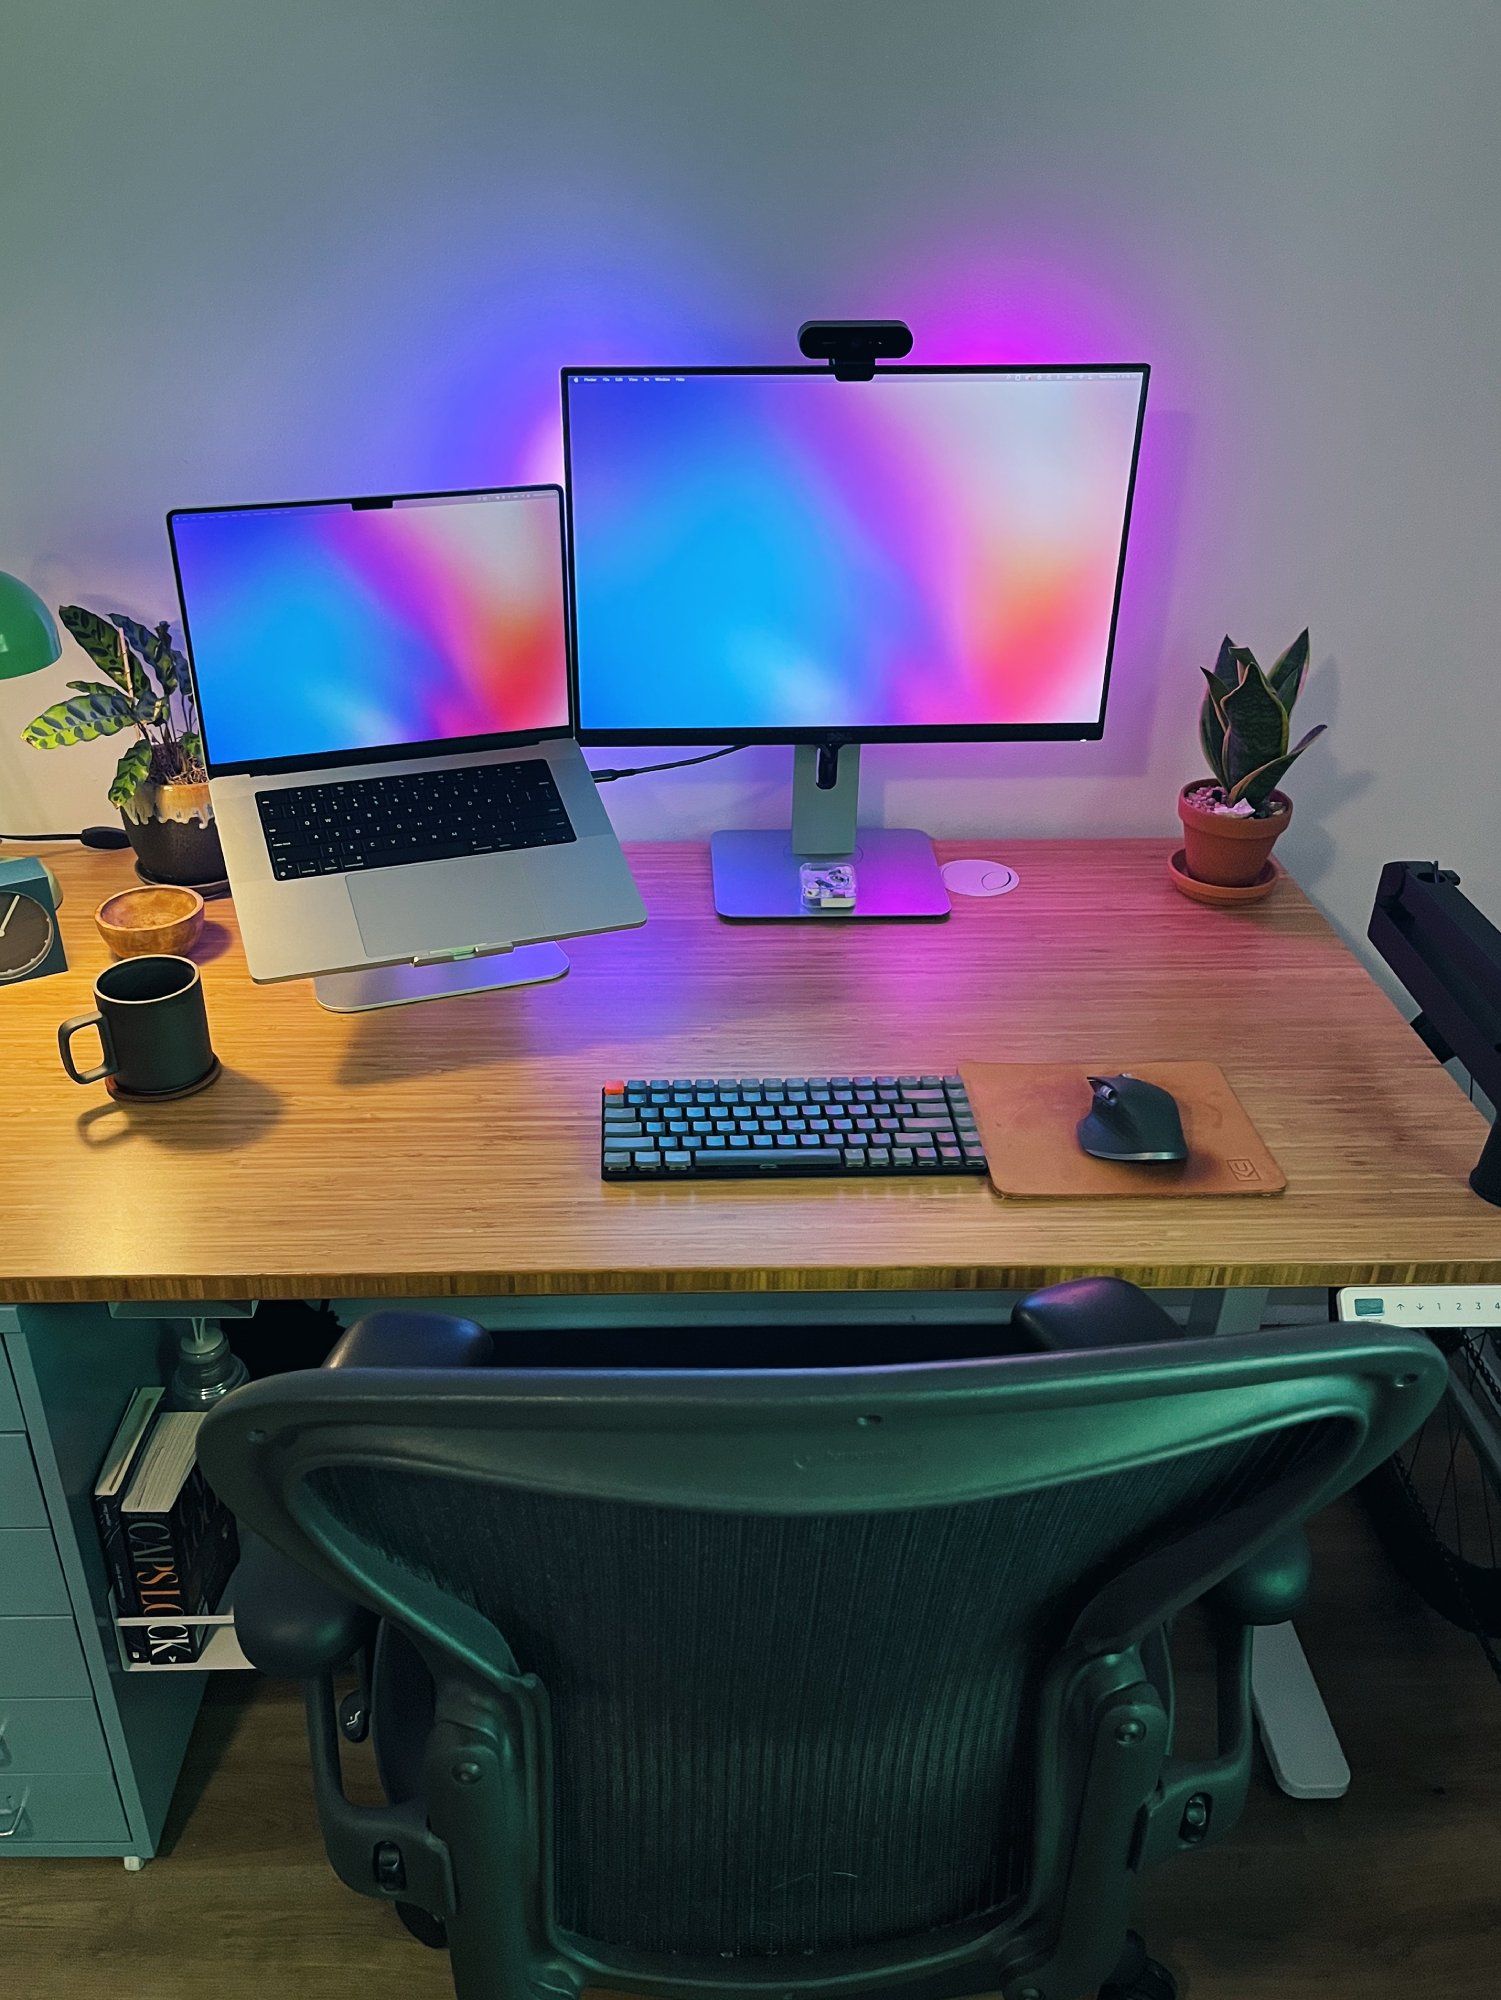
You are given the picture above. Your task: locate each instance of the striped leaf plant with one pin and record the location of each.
(1245, 724)
(146, 688)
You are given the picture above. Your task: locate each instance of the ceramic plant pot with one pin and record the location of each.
(1231, 852)
(171, 828)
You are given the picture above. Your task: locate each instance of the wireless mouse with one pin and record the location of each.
(1132, 1120)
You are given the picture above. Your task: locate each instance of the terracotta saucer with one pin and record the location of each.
(1218, 894)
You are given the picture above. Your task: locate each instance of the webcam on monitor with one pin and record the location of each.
(854, 346)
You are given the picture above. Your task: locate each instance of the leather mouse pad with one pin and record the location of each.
(1028, 1112)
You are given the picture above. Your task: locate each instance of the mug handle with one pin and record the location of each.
(109, 1067)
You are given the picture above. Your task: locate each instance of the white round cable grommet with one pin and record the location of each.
(979, 878)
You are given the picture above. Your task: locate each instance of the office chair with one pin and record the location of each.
(825, 1684)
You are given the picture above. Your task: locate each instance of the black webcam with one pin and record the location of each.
(853, 346)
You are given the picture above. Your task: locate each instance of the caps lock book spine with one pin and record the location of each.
(182, 1558)
(159, 1590)
(109, 1490)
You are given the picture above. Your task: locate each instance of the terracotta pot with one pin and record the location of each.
(1219, 847)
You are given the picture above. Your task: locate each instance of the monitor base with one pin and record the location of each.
(756, 877)
(376, 986)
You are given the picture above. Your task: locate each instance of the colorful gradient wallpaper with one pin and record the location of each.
(322, 629)
(787, 551)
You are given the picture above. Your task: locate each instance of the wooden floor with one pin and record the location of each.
(1395, 1889)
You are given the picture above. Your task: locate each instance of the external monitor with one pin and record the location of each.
(772, 555)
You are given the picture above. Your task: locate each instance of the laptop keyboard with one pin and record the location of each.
(417, 816)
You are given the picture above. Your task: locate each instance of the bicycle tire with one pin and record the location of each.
(1436, 1503)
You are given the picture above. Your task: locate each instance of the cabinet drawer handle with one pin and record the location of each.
(11, 1817)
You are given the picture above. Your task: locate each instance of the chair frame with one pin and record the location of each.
(1110, 1795)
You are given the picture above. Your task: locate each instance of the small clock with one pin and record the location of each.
(30, 943)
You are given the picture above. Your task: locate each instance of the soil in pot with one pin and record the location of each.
(1228, 848)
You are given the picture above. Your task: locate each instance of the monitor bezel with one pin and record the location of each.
(384, 753)
(1013, 732)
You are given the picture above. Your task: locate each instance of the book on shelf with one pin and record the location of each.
(109, 1490)
(174, 1544)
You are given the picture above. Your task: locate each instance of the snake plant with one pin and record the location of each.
(146, 688)
(1245, 723)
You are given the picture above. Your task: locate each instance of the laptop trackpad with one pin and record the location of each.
(441, 906)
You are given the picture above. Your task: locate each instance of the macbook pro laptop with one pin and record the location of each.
(383, 691)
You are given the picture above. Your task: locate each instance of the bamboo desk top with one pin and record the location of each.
(452, 1148)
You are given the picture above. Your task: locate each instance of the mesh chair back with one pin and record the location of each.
(797, 1633)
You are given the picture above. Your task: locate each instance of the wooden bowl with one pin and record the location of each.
(140, 921)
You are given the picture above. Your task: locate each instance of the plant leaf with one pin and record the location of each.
(191, 745)
(1242, 662)
(164, 659)
(154, 644)
(151, 707)
(1257, 726)
(131, 769)
(79, 720)
(140, 636)
(101, 641)
(143, 641)
(105, 688)
(184, 684)
(1212, 727)
(1288, 674)
(1257, 786)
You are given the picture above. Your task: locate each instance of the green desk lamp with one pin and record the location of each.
(28, 636)
(29, 642)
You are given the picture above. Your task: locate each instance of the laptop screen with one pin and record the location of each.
(328, 628)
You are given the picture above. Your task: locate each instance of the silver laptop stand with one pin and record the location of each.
(373, 986)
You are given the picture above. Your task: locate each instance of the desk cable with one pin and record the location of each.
(91, 836)
(608, 777)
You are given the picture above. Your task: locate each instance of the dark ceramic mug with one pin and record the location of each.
(153, 1028)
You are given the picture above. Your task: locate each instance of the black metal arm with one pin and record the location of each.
(1448, 956)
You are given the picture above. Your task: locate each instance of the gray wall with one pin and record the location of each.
(306, 246)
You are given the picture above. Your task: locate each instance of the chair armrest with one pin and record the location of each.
(1092, 1313)
(1200, 1799)
(288, 1623)
(396, 1338)
(1269, 1588)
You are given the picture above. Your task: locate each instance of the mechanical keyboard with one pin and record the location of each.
(416, 816)
(759, 1127)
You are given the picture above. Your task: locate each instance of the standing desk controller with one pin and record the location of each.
(1443, 1306)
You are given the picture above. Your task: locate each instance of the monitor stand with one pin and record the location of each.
(756, 873)
(375, 986)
